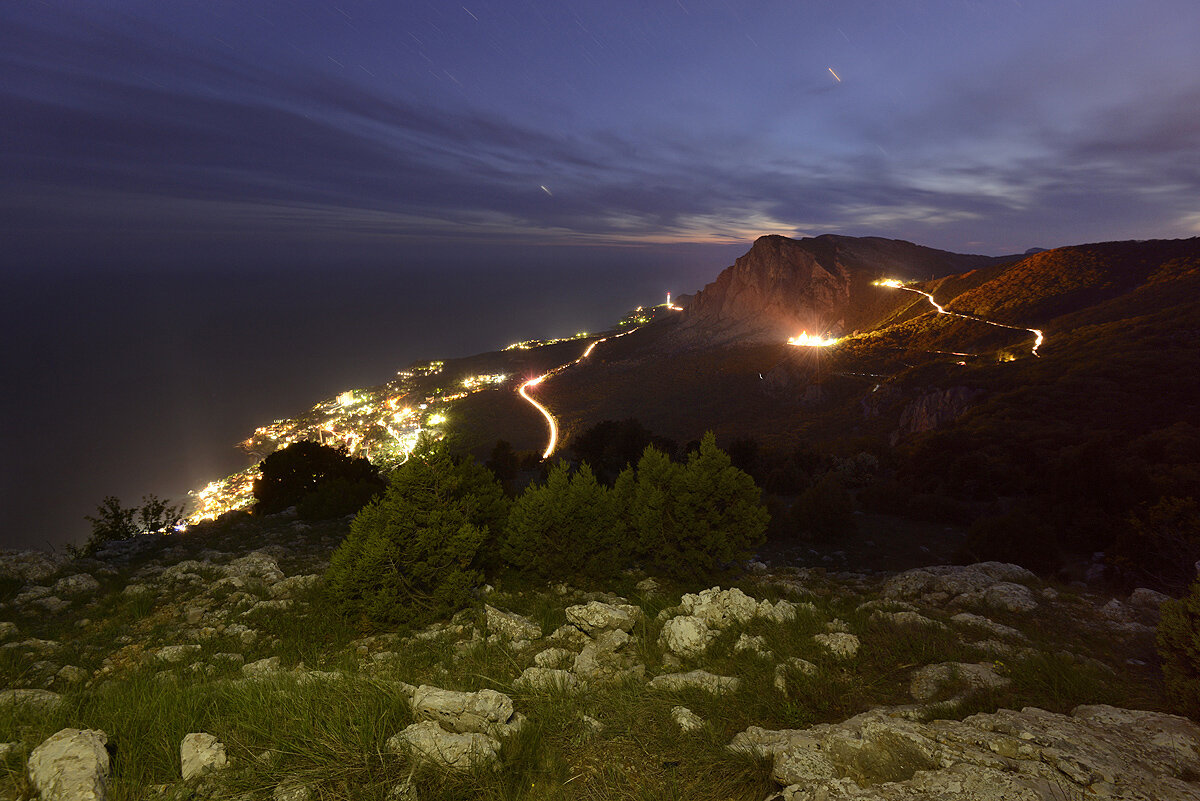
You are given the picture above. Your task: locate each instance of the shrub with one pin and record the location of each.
(416, 552)
(1179, 647)
(688, 521)
(115, 522)
(565, 527)
(337, 498)
(291, 474)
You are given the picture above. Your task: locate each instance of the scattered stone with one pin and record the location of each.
(8, 748)
(261, 668)
(686, 636)
(904, 619)
(547, 680)
(200, 754)
(979, 621)
(79, 584)
(29, 565)
(720, 608)
(174, 654)
(795, 664)
(72, 765)
(696, 680)
(41, 700)
(648, 587)
(292, 789)
(593, 725)
(595, 617)
(452, 750)
(70, 674)
(485, 711)
(570, 635)
(511, 626)
(603, 659)
(752, 643)
(8, 629)
(839, 643)
(254, 565)
(928, 681)
(52, 604)
(952, 580)
(686, 718)
(1010, 597)
(294, 585)
(884, 755)
(553, 657)
(244, 633)
(1144, 597)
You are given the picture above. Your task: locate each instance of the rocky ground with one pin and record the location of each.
(208, 664)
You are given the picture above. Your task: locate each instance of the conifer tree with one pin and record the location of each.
(564, 527)
(416, 552)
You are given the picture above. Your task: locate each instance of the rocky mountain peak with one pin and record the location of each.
(822, 285)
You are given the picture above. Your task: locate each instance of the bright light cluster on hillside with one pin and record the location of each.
(382, 423)
(807, 340)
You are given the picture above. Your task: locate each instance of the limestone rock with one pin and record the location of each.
(686, 719)
(1029, 755)
(839, 643)
(72, 765)
(292, 790)
(903, 619)
(979, 621)
(794, 665)
(696, 680)
(201, 753)
(928, 681)
(720, 608)
(1010, 597)
(43, 700)
(752, 643)
(553, 657)
(8, 629)
(606, 658)
(452, 750)
(933, 410)
(1147, 598)
(79, 584)
(29, 565)
(686, 636)
(595, 617)
(485, 711)
(174, 654)
(255, 565)
(511, 625)
(952, 580)
(261, 668)
(294, 585)
(547, 679)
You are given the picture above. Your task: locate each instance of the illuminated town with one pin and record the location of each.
(384, 423)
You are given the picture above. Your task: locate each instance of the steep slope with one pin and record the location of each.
(822, 285)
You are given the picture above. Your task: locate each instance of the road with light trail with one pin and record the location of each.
(1039, 337)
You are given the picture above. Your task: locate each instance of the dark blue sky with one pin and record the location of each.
(216, 213)
(198, 129)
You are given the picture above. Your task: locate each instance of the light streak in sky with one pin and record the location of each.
(806, 340)
(834, 74)
(1039, 337)
(547, 191)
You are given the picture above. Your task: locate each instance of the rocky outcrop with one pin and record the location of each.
(933, 410)
(1029, 755)
(823, 285)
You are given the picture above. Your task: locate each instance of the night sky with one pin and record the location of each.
(216, 213)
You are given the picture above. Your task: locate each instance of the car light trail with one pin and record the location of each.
(550, 421)
(893, 283)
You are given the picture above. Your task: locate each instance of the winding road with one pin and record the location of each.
(1039, 337)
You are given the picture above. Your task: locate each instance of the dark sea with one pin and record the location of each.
(128, 382)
